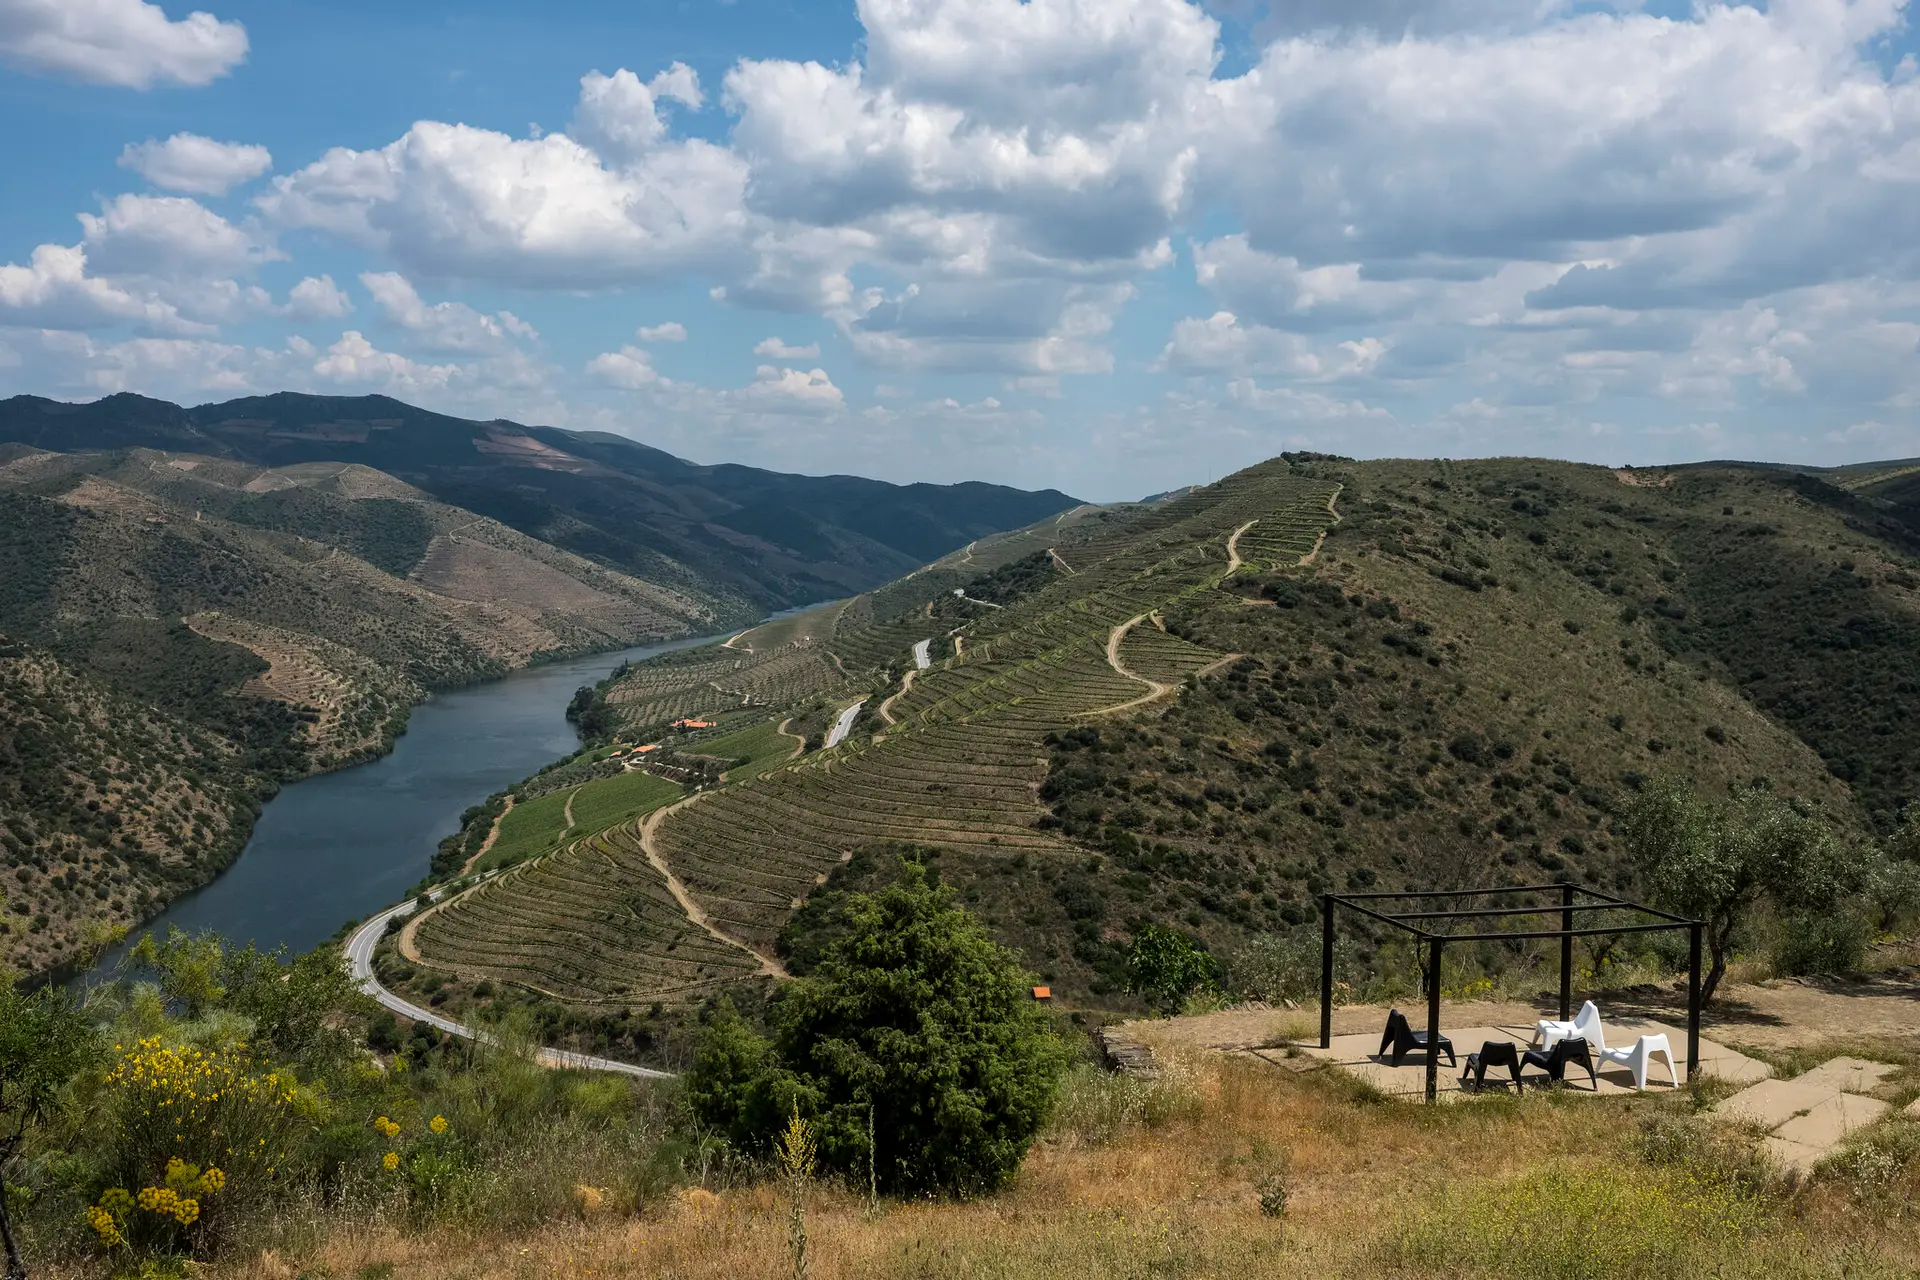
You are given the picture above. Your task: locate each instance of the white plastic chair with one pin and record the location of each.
(1586, 1024)
(1635, 1059)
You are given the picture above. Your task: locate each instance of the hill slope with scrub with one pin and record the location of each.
(1201, 712)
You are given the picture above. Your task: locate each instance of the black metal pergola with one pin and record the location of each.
(1574, 900)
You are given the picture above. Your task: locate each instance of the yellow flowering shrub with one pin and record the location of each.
(164, 1210)
(167, 1103)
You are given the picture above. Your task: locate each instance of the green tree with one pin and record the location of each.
(916, 1027)
(1166, 966)
(1719, 862)
(190, 968)
(44, 1042)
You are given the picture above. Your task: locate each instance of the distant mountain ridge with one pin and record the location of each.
(771, 539)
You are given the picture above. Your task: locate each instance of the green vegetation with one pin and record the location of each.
(44, 1043)
(1721, 863)
(751, 751)
(915, 1030)
(1166, 966)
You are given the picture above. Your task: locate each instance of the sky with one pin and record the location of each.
(1113, 246)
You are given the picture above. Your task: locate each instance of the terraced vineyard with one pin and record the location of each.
(571, 926)
(958, 768)
(720, 679)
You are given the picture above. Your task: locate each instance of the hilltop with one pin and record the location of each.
(1201, 712)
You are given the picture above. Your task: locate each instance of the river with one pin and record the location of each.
(338, 846)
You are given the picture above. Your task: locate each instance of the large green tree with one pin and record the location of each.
(44, 1042)
(1720, 861)
(916, 1028)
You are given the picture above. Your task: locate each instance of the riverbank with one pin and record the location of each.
(334, 846)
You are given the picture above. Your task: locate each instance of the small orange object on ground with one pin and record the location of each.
(1043, 993)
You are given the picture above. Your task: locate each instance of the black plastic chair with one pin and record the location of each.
(1494, 1053)
(1401, 1039)
(1554, 1061)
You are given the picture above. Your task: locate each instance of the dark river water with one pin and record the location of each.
(339, 846)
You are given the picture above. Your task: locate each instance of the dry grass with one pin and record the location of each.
(1166, 1180)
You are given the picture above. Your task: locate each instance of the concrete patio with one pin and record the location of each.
(1358, 1055)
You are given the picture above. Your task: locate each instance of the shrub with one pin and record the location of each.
(1166, 965)
(1820, 942)
(916, 1027)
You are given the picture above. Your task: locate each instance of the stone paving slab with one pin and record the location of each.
(1771, 1103)
(1826, 1124)
(1796, 1158)
(1813, 1113)
(1849, 1075)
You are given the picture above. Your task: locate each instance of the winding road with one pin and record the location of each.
(844, 725)
(359, 952)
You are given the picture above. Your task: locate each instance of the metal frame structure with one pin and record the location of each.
(1574, 899)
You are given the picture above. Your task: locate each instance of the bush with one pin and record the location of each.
(1166, 965)
(1823, 943)
(916, 1027)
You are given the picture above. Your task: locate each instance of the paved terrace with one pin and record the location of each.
(1358, 1055)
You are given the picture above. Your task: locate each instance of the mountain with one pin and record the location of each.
(766, 539)
(1316, 673)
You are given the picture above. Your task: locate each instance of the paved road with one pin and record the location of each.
(921, 657)
(359, 951)
(844, 723)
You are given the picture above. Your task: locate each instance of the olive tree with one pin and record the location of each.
(1720, 861)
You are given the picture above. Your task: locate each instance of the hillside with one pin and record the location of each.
(1204, 711)
(107, 807)
(764, 538)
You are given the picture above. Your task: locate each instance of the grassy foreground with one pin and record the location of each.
(1231, 1166)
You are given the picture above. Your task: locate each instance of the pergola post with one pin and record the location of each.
(1693, 1001)
(1326, 971)
(1433, 1017)
(1566, 952)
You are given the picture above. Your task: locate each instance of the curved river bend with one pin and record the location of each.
(335, 847)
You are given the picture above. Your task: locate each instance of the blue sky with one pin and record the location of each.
(1109, 245)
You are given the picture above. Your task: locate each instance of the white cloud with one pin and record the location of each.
(629, 368)
(671, 331)
(619, 117)
(318, 298)
(170, 237)
(127, 43)
(442, 326)
(774, 349)
(810, 390)
(455, 201)
(199, 166)
(55, 291)
(356, 362)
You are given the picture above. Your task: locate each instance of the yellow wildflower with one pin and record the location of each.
(185, 1211)
(438, 1124)
(390, 1161)
(213, 1181)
